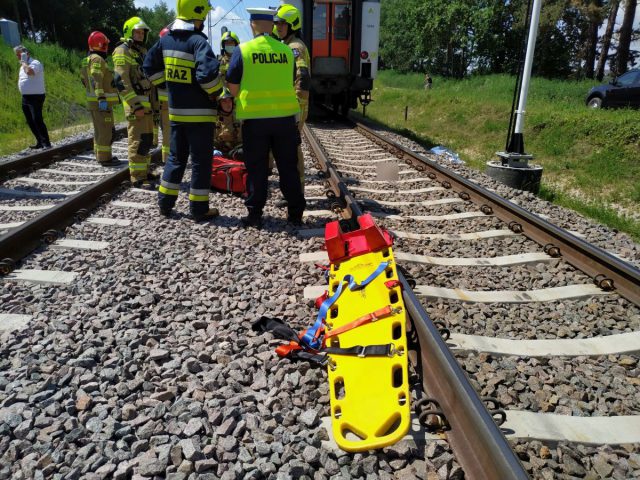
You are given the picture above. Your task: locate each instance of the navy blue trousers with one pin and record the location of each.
(281, 136)
(197, 139)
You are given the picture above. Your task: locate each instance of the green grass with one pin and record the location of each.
(590, 157)
(65, 106)
(597, 211)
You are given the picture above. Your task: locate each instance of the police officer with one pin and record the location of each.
(97, 79)
(288, 24)
(184, 60)
(136, 93)
(261, 76)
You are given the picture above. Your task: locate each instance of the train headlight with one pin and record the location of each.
(364, 55)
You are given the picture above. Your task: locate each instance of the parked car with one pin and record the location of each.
(622, 91)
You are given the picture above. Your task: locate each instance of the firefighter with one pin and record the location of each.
(228, 133)
(137, 96)
(228, 139)
(228, 43)
(288, 22)
(183, 59)
(97, 79)
(163, 115)
(261, 77)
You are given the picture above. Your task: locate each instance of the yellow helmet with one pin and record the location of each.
(134, 23)
(229, 35)
(193, 9)
(290, 14)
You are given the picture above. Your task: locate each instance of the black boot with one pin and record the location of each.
(252, 220)
(294, 218)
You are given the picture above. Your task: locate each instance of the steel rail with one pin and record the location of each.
(480, 446)
(39, 159)
(607, 271)
(22, 240)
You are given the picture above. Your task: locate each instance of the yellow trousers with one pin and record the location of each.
(102, 134)
(140, 131)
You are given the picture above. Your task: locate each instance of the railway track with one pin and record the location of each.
(137, 357)
(476, 262)
(44, 192)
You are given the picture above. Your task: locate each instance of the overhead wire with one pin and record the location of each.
(227, 13)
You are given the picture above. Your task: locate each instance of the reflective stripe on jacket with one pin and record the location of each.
(135, 87)
(266, 88)
(303, 65)
(97, 79)
(182, 62)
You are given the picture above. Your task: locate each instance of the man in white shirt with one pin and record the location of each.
(31, 86)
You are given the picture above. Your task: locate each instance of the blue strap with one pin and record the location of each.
(309, 337)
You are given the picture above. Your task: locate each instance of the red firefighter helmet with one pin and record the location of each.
(98, 42)
(164, 31)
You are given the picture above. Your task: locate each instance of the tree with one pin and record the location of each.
(157, 18)
(594, 13)
(606, 39)
(624, 40)
(448, 37)
(69, 22)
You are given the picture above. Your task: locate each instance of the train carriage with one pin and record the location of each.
(343, 38)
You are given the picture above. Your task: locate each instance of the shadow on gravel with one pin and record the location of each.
(270, 224)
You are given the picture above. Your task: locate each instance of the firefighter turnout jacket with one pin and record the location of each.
(137, 93)
(134, 87)
(183, 60)
(97, 79)
(228, 133)
(224, 64)
(303, 73)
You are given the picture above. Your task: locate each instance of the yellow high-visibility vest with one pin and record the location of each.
(266, 88)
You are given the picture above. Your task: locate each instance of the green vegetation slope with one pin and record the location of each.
(65, 104)
(591, 157)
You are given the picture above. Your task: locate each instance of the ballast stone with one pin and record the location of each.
(193, 427)
(310, 418)
(149, 464)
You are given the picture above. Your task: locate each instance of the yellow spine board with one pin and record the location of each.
(369, 395)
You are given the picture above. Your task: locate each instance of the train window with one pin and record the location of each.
(320, 22)
(342, 22)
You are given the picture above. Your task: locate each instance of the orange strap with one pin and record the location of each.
(368, 318)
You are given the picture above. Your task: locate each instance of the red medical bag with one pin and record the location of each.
(228, 175)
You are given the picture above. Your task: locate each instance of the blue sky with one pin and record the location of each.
(234, 12)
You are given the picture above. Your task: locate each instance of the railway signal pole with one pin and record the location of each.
(513, 168)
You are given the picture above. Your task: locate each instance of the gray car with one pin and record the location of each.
(622, 91)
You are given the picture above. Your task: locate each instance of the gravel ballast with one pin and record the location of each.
(147, 366)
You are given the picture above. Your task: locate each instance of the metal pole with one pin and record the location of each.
(406, 112)
(528, 63)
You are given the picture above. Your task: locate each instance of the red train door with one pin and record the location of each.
(332, 29)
